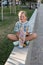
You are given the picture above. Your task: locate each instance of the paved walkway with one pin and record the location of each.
(37, 49)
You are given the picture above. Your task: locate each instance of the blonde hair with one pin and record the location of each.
(22, 12)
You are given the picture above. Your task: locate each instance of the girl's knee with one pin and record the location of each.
(34, 35)
(9, 35)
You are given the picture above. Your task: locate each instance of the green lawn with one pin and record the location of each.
(7, 26)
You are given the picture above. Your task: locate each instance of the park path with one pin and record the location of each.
(37, 50)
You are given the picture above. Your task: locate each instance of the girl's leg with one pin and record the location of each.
(12, 37)
(31, 37)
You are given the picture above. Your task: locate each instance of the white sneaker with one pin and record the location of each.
(20, 47)
(16, 43)
(27, 42)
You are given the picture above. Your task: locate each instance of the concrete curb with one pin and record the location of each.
(33, 18)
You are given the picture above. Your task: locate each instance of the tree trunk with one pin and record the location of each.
(14, 6)
(30, 5)
(2, 11)
(7, 3)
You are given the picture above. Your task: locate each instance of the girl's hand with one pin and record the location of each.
(27, 33)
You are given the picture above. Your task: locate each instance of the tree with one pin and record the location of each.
(23, 2)
(14, 5)
(30, 1)
(0, 2)
(7, 3)
(2, 10)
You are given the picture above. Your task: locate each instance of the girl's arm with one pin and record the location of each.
(17, 34)
(27, 33)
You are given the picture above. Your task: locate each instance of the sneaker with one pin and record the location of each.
(26, 43)
(20, 47)
(16, 43)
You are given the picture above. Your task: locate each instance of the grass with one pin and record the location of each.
(6, 27)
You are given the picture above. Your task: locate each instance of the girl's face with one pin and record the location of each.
(22, 17)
